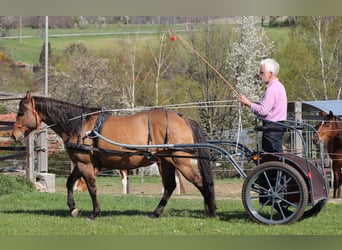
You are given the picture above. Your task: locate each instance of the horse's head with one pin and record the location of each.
(315, 137)
(328, 128)
(27, 118)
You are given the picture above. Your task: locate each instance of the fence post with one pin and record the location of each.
(42, 152)
(30, 157)
(45, 179)
(298, 117)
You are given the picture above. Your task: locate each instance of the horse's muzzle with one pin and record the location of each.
(17, 138)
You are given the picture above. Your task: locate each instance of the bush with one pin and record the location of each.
(10, 184)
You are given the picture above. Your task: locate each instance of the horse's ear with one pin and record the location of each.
(28, 97)
(323, 114)
(331, 114)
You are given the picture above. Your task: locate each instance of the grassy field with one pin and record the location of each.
(100, 39)
(29, 49)
(37, 214)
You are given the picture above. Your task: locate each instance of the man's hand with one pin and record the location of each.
(244, 100)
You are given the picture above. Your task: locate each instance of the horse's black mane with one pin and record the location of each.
(62, 113)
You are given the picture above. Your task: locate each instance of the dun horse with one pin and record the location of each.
(330, 132)
(72, 122)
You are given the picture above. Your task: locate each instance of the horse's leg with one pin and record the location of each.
(75, 174)
(206, 189)
(168, 174)
(89, 176)
(336, 181)
(339, 182)
(180, 182)
(81, 185)
(124, 181)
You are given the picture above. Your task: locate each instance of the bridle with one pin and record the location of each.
(35, 116)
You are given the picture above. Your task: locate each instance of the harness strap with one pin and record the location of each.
(79, 135)
(101, 119)
(149, 136)
(89, 148)
(167, 132)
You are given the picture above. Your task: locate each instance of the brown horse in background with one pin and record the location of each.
(330, 133)
(72, 123)
(81, 185)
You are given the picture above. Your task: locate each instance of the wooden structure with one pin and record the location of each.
(36, 150)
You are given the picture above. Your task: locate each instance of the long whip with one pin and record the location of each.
(185, 43)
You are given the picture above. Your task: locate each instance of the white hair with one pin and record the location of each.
(270, 65)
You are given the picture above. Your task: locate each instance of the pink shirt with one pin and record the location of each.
(273, 106)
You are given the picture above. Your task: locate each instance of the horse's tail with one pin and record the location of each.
(204, 166)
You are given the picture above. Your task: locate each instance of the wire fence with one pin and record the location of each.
(222, 169)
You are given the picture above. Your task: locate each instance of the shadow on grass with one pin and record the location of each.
(224, 216)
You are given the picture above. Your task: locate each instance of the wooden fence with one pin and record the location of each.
(20, 151)
(35, 152)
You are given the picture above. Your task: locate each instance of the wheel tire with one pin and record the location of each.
(274, 193)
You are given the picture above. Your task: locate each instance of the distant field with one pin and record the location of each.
(29, 49)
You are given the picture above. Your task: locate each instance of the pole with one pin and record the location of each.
(30, 158)
(20, 31)
(298, 145)
(46, 54)
(42, 136)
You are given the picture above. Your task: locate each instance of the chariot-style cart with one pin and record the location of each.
(283, 187)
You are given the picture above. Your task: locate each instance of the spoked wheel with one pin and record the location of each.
(275, 193)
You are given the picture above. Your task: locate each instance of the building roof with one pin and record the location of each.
(311, 110)
(328, 105)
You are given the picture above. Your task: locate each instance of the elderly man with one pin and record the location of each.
(272, 107)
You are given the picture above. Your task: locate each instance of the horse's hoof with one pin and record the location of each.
(153, 216)
(75, 213)
(90, 218)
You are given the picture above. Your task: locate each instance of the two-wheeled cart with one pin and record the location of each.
(282, 188)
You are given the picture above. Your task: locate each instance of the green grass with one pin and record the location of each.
(34, 213)
(9, 183)
(28, 51)
(47, 214)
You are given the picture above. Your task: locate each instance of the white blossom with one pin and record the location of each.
(250, 47)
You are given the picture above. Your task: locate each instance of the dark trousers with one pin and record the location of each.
(272, 141)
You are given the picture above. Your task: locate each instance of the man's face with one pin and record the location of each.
(265, 76)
